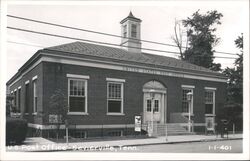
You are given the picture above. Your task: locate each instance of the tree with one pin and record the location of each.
(235, 75)
(58, 110)
(233, 108)
(201, 39)
(9, 108)
(178, 38)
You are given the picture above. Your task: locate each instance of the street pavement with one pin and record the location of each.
(37, 144)
(225, 146)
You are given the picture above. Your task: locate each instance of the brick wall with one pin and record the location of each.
(28, 77)
(54, 77)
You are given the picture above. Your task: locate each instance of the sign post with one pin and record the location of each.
(138, 123)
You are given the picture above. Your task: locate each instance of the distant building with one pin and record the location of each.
(107, 87)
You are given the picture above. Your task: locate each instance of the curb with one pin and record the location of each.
(173, 142)
(188, 141)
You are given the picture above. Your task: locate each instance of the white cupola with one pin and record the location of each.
(131, 33)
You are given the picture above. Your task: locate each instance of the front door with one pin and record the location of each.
(153, 107)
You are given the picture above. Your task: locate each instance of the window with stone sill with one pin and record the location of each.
(185, 102)
(209, 102)
(77, 95)
(115, 98)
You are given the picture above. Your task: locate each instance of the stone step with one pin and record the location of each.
(172, 129)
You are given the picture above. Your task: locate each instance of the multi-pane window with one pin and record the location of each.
(77, 95)
(115, 97)
(34, 96)
(133, 30)
(15, 98)
(125, 31)
(27, 98)
(209, 102)
(19, 100)
(156, 106)
(185, 101)
(15, 101)
(149, 105)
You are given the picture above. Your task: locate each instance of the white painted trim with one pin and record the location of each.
(34, 78)
(192, 101)
(111, 126)
(118, 66)
(187, 86)
(115, 114)
(19, 78)
(122, 99)
(199, 124)
(115, 80)
(186, 124)
(186, 113)
(210, 115)
(27, 82)
(77, 113)
(85, 95)
(15, 114)
(36, 126)
(35, 95)
(155, 91)
(78, 76)
(210, 88)
(19, 87)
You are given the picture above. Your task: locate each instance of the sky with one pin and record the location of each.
(158, 20)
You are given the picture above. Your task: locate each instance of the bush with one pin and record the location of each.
(233, 113)
(16, 130)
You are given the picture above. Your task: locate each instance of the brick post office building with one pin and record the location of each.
(106, 87)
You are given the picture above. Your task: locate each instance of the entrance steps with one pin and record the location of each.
(177, 129)
(172, 129)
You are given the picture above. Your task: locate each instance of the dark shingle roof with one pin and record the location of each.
(131, 17)
(118, 54)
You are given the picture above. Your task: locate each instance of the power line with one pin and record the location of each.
(220, 52)
(102, 33)
(86, 40)
(98, 42)
(21, 43)
(80, 29)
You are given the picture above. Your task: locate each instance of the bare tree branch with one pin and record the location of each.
(178, 38)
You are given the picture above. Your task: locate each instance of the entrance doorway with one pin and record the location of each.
(154, 105)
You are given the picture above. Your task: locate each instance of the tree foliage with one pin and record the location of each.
(233, 109)
(235, 75)
(201, 38)
(9, 99)
(58, 109)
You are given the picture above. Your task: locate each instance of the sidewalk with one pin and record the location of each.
(36, 144)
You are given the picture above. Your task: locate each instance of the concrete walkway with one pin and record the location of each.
(40, 144)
